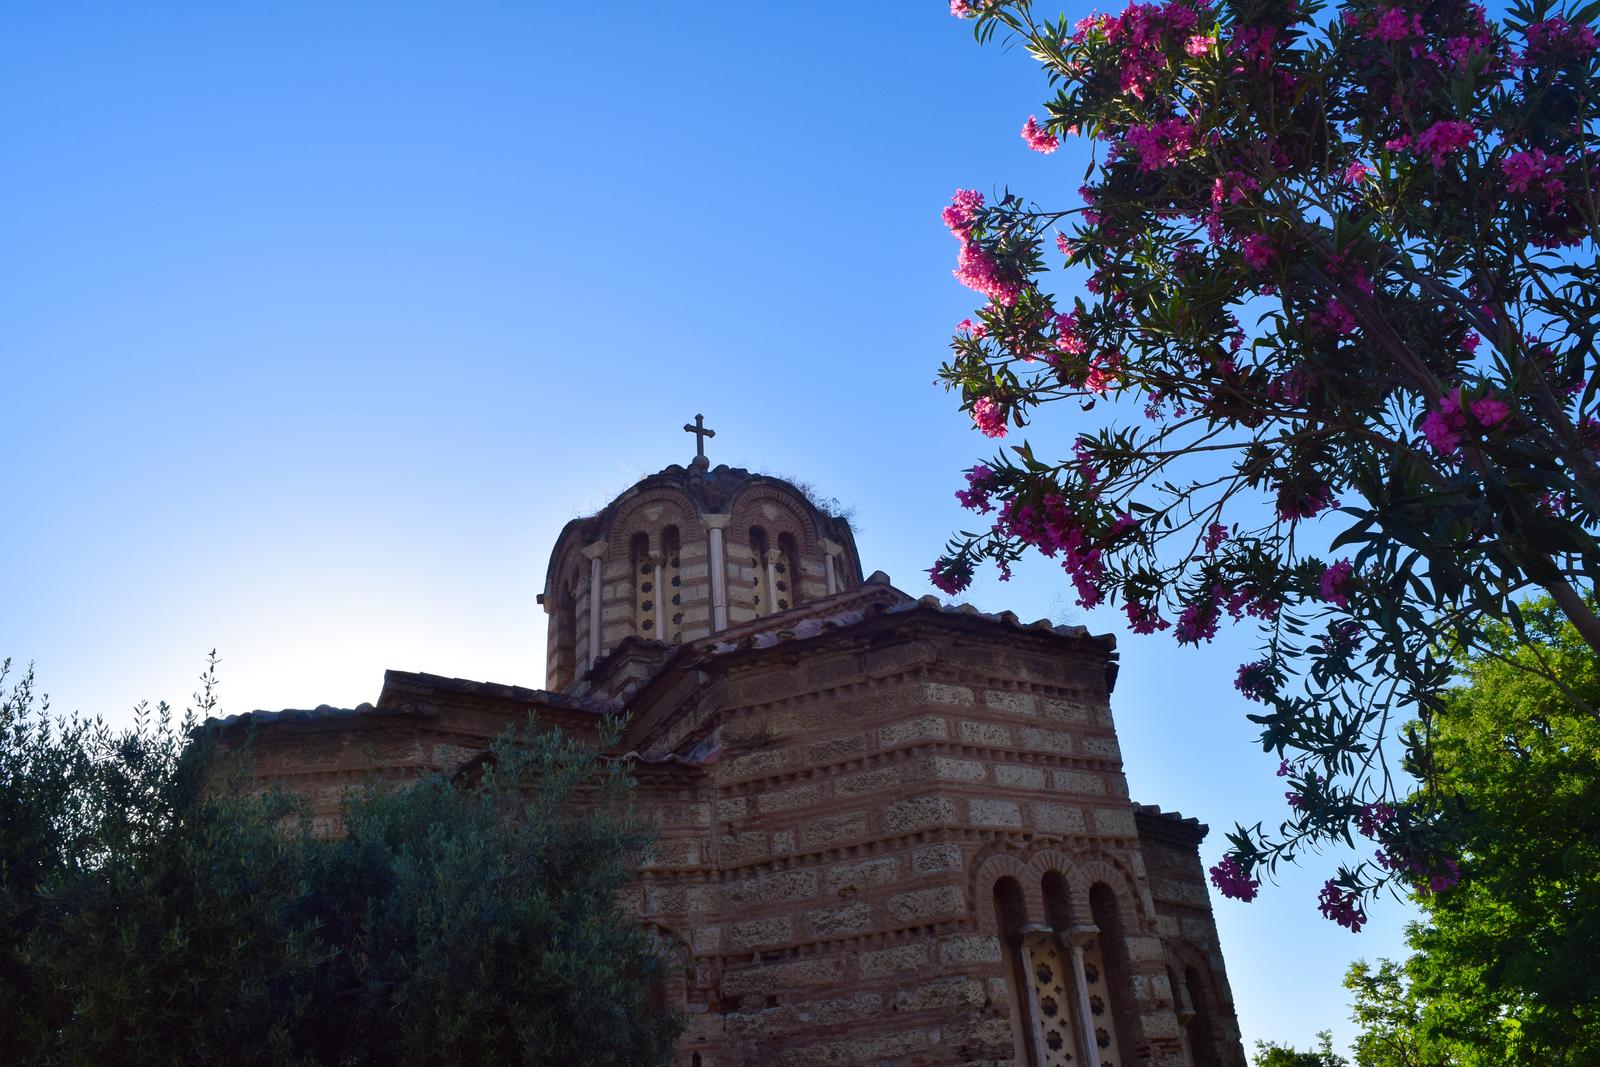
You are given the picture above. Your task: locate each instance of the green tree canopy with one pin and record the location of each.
(148, 916)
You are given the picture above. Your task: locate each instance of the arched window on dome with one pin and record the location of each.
(1105, 970)
(1011, 918)
(786, 573)
(565, 654)
(671, 589)
(644, 586)
(759, 546)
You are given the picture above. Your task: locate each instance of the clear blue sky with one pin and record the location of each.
(321, 320)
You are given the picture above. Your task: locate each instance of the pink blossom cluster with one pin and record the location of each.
(1427, 879)
(1337, 583)
(1199, 45)
(1142, 34)
(1374, 819)
(975, 267)
(1161, 144)
(1143, 618)
(1257, 251)
(1216, 533)
(980, 483)
(961, 214)
(1341, 906)
(988, 417)
(1356, 172)
(1445, 427)
(1199, 618)
(1069, 334)
(1556, 38)
(950, 576)
(1334, 318)
(1039, 139)
(1296, 502)
(1233, 881)
(1254, 681)
(1443, 139)
(1523, 169)
(1104, 370)
(1396, 24)
(1054, 530)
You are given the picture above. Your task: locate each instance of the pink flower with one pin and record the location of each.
(1254, 681)
(1283, 768)
(1062, 244)
(1142, 618)
(1337, 581)
(1295, 502)
(1069, 339)
(1443, 138)
(1356, 173)
(1524, 168)
(1335, 318)
(1103, 371)
(1257, 249)
(1038, 138)
(1373, 819)
(1161, 144)
(1198, 620)
(1490, 411)
(1216, 533)
(1343, 908)
(1395, 25)
(950, 576)
(1199, 45)
(977, 270)
(1233, 881)
(988, 418)
(1558, 38)
(962, 212)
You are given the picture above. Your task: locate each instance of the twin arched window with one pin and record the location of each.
(1065, 979)
(657, 586)
(775, 572)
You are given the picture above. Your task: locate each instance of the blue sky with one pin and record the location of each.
(321, 320)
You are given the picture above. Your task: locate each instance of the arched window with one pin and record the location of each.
(1054, 992)
(565, 654)
(644, 586)
(1202, 1038)
(1011, 917)
(786, 573)
(1105, 977)
(671, 585)
(758, 571)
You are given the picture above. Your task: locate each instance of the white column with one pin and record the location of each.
(771, 563)
(830, 559)
(594, 552)
(1078, 935)
(719, 572)
(661, 611)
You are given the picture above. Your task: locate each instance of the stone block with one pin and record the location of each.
(801, 796)
(1012, 703)
(732, 809)
(830, 830)
(1088, 782)
(882, 962)
(1042, 740)
(1057, 819)
(995, 813)
(745, 847)
(788, 885)
(1066, 711)
(920, 729)
(933, 859)
(940, 693)
(835, 749)
(956, 992)
(863, 874)
(758, 933)
(761, 764)
(782, 842)
(950, 769)
(1102, 748)
(872, 781)
(969, 948)
(985, 733)
(765, 977)
(1116, 821)
(856, 1050)
(1019, 777)
(919, 813)
(926, 905)
(852, 918)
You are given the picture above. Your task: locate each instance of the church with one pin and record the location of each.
(892, 831)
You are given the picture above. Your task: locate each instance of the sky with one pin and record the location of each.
(321, 321)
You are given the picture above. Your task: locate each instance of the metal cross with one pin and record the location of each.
(698, 428)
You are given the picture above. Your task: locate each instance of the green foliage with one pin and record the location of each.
(150, 914)
(1272, 1054)
(1504, 967)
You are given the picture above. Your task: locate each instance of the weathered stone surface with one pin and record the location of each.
(919, 813)
(923, 905)
(995, 812)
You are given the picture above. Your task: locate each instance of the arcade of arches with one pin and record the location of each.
(892, 830)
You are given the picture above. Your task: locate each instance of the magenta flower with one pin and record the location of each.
(1233, 881)
(1038, 138)
(1442, 139)
(1490, 411)
(1342, 907)
(1356, 172)
(950, 576)
(1338, 582)
(1257, 249)
(962, 212)
(1161, 144)
(1062, 245)
(1254, 681)
(988, 417)
(1522, 169)
(1142, 618)
(977, 270)
(1199, 45)
(1396, 25)
(1556, 38)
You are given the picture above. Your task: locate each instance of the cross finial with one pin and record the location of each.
(698, 428)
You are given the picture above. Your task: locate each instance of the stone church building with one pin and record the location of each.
(893, 831)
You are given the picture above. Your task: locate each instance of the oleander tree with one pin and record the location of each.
(1335, 298)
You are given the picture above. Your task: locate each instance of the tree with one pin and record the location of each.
(1272, 1054)
(1343, 263)
(152, 911)
(1503, 968)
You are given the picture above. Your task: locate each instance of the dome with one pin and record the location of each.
(685, 553)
